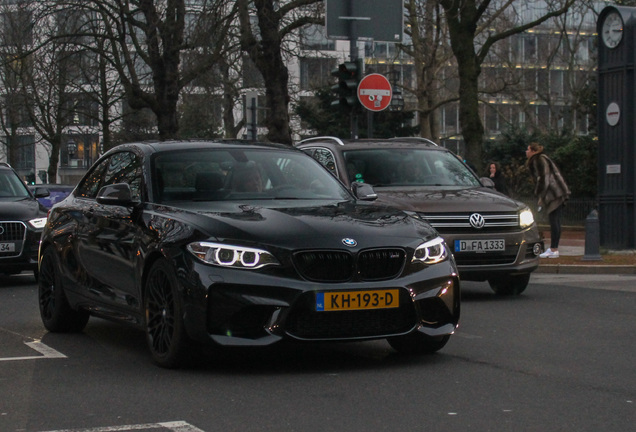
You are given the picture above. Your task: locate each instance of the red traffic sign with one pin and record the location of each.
(374, 92)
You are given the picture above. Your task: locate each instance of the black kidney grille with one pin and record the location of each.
(325, 266)
(380, 264)
(339, 266)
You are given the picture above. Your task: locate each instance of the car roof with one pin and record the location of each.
(354, 144)
(169, 145)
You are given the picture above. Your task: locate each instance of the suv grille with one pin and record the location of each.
(341, 266)
(15, 233)
(460, 222)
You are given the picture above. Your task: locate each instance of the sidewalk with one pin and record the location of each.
(572, 251)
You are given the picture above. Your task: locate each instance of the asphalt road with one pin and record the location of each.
(558, 358)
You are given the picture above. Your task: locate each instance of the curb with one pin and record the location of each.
(583, 269)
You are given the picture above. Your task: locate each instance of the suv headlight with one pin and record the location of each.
(38, 223)
(232, 256)
(526, 218)
(431, 252)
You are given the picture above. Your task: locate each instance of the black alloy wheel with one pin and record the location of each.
(55, 311)
(165, 333)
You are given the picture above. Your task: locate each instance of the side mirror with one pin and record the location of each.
(41, 192)
(487, 182)
(363, 191)
(115, 194)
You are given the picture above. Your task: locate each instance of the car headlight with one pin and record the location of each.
(232, 256)
(431, 252)
(526, 218)
(38, 223)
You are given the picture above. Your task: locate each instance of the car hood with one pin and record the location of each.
(20, 209)
(295, 225)
(446, 200)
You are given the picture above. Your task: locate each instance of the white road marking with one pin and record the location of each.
(175, 426)
(45, 350)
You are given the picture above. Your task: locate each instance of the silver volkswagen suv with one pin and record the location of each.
(493, 237)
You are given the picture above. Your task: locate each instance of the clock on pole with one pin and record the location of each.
(612, 29)
(616, 28)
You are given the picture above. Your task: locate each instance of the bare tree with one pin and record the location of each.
(263, 40)
(146, 41)
(43, 74)
(431, 54)
(472, 35)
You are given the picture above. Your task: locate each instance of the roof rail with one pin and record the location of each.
(5, 164)
(415, 139)
(321, 138)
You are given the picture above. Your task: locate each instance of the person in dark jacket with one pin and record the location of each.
(551, 190)
(494, 173)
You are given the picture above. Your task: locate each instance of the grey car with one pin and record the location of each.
(493, 237)
(22, 218)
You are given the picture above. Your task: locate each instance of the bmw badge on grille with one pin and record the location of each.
(349, 242)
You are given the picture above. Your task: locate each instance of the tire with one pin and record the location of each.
(55, 311)
(509, 285)
(165, 332)
(418, 343)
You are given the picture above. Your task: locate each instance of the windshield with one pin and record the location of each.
(240, 174)
(11, 186)
(408, 167)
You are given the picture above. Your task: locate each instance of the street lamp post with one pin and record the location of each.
(71, 147)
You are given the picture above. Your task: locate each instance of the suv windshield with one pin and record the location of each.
(407, 167)
(237, 174)
(11, 186)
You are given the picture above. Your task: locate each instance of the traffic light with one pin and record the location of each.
(346, 90)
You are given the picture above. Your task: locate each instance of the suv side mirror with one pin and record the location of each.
(363, 191)
(487, 182)
(41, 192)
(115, 194)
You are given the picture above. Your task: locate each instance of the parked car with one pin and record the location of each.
(57, 192)
(492, 236)
(235, 243)
(21, 221)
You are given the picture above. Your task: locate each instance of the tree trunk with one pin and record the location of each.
(462, 25)
(471, 125)
(54, 159)
(277, 103)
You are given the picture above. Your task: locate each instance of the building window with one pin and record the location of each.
(315, 73)
(314, 37)
(252, 77)
(22, 149)
(79, 150)
(17, 28)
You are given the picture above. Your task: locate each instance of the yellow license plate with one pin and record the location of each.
(356, 300)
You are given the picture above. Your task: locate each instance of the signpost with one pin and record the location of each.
(380, 20)
(374, 92)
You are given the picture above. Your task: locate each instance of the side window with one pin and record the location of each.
(89, 187)
(125, 167)
(122, 167)
(326, 158)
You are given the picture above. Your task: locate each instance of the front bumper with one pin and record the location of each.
(25, 256)
(520, 256)
(245, 308)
